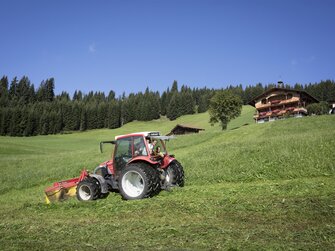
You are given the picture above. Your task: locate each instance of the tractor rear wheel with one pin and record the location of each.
(174, 175)
(88, 189)
(138, 181)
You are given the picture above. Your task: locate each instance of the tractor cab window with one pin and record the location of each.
(139, 147)
(123, 152)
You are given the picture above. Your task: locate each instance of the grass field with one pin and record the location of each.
(253, 187)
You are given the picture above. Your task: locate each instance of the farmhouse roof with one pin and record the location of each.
(264, 94)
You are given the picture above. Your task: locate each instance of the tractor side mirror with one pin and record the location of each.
(106, 142)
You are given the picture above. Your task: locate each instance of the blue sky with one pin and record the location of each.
(126, 46)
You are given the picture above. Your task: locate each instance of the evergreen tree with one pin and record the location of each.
(128, 109)
(41, 92)
(4, 95)
(50, 86)
(13, 89)
(67, 118)
(83, 120)
(64, 96)
(44, 124)
(32, 94)
(174, 87)
(163, 103)
(46, 91)
(23, 121)
(173, 110)
(111, 96)
(15, 121)
(186, 101)
(114, 114)
(23, 91)
(6, 115)
(92, 116)
(101, 115)
(2, 118)
(77, 96)
(76, 113)
(147, 106)
(203, 103)
(31, 127)
(298, 86)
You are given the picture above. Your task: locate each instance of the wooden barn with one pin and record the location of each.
(184, 129)
(277, 103)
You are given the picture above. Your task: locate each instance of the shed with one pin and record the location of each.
(184, 129)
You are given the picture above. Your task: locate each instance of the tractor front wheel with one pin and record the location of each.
(138, 181)
(174, 175)
(88, 189)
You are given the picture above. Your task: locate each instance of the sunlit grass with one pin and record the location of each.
(252, 187)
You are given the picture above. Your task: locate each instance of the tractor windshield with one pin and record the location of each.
(157, 147)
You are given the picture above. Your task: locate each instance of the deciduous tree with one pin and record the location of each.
(224, 106)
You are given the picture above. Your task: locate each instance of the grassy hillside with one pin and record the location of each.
(255, 187)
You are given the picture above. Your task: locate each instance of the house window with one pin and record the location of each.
(264, 101)
(289, 96)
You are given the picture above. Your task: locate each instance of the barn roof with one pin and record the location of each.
(185, 128)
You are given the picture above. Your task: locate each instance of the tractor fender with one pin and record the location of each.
(142, 159)
(166, 161)
(102, 182)
(109, 165)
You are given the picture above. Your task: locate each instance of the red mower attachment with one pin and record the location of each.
(62, 190)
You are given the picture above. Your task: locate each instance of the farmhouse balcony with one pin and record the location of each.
(277, 103)
(279, 112)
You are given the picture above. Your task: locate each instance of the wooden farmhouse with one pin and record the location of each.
(183, 129)
(277, 103)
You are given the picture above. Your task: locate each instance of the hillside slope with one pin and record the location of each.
(255, 186)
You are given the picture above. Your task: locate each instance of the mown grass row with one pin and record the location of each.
(293, 214)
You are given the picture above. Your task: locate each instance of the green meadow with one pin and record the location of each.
(252, 187)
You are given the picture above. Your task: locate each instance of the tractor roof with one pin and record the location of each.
(155, 135)
(145, 134)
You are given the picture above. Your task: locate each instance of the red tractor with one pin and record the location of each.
(140, 168)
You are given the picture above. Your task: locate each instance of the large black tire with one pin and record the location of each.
(174, 175)
(103, 195)
(138, 181)
(88, 189)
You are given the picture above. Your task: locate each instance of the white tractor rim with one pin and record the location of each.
(133, 183)
(169, 176)
(84, 192)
